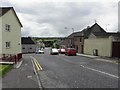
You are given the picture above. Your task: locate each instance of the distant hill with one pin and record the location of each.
(48, 41)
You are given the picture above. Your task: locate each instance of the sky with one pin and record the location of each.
(48, 18)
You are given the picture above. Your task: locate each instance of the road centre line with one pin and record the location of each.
(100, 71)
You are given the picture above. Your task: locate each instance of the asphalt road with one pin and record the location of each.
(60, 71)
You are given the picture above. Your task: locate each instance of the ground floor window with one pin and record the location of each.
(8, 44)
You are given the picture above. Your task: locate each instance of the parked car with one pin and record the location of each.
(38, 51)
(62, 51)
(71, 51)
(59, 50)
(54, 51)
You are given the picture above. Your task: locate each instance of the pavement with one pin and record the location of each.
(21, 76)
(99, 58)
(18, 64)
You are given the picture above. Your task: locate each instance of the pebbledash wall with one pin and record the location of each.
(14, 36)
(103, 46)
(0, 36)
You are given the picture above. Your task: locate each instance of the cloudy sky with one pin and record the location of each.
(44, 18)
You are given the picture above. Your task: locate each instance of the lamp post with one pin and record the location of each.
(70, 28)
(71, 44)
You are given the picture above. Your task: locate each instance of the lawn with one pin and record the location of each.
(4, 68)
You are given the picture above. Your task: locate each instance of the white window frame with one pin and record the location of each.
(8, 44)
(7, 27)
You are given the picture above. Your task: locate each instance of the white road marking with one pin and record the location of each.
(100, 71)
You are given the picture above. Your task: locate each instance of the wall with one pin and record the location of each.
(78, 44)
(27, 48)
(14, 36)
(104, 46)
(0, 35)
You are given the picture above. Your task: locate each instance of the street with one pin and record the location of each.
(60, 71)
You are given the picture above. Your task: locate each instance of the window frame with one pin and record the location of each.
(7, 27)
(8, 44)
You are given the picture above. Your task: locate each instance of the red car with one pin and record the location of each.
(62, 51)
(71, 51)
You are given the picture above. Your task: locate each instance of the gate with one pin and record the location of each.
(116, 49)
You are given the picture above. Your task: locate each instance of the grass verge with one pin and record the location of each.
(4, 68)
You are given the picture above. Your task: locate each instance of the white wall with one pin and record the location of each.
(0, 35)
(104, 46)
(27, 48)
(14, 36)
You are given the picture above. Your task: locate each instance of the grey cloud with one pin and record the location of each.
(77, 15)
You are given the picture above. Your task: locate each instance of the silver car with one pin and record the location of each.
(54, 51)
(39, 51)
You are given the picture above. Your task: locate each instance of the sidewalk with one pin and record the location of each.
(90, 56)
(99, 58)
(18, 64)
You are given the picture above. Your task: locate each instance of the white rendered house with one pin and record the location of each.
(10, 31)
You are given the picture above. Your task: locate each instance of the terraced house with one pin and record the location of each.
(94, 40)
(10, 31)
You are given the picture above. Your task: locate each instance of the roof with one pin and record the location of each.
(4, 10)
(95, 29)
(75, 34)
(27, 40)
(114, 34)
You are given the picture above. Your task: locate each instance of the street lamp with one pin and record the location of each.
(70, 28)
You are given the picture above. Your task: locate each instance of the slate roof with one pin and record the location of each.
(114, 34)
(95, 29)
(27, 40)
(4, 10)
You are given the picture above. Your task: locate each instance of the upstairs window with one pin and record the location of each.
(80, 39)
(7, 27)
(7, 44)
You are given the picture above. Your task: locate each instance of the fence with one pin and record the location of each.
(10, 57)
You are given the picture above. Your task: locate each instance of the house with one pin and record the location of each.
(10, 31)
(28, 45)
(108, 46)
(76, 39)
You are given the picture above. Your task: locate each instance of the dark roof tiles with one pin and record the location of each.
(4, 10)
(27, 40)
(96, 29)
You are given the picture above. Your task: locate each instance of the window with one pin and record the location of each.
(80, 39)
(7, 27)
(7, 44)
(75, 39)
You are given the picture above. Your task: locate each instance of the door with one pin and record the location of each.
(116, 49)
